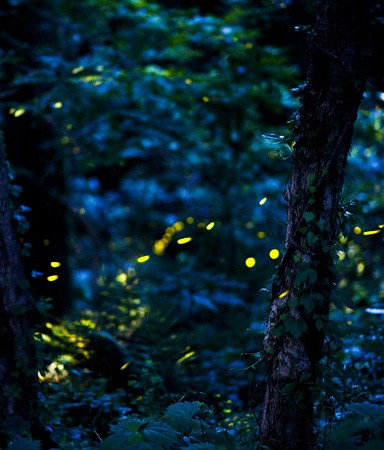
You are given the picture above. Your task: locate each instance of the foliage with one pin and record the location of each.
(360, 428)
(184, 425)
(168, 127)
(20, 443)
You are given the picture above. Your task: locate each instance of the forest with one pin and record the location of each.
(191, 225)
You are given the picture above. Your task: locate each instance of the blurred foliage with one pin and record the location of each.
(168, 123)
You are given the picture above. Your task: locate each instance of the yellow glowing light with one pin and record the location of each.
(122, 278)
(343, 240)
(248, 45)
(159, 247)
(250, 262)
(19, 112)
(49, 325)
(58, 105)
(124, 366)
(341, 255)
(188, 81)
(40, 377)
(357, 230)
(274, 253)
(184, 240)
(368, 233)
(360, 268)
(178, 226)
(262, 201)
(185, 357)
(205, 99)
(55, 264)
(201, 225)
(46, 242)
(190, 220)
(82, 211)
(143, 259)
(45, 337)
(381, 226)
(210, 226)
(77, 70)
(261, 234)
(343, 283)
(88, 323)
(284, 294)
(52, 277)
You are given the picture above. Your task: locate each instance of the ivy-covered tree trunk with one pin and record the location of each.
(302, 287)
(17, 371)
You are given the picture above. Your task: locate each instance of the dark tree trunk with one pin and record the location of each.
(40, 167)
(304, 282)
(18, 385)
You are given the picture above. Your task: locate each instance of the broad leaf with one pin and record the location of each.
(160, 433)
(180, 416)
(124, 440)
(19, 443)
(130, 425)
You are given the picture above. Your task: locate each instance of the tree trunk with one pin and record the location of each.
(304, 282)
(17, 371)
(40, 166)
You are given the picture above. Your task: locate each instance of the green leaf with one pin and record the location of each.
(19, 443)
(277, 331)
(296, 258)
(219, 437)
(129, 424)
(368, 410)
(181, 416)
(317, 296)
(296, 327)
(302, 276)
(312, 238)
(160, 433)
(307, 302)
(312, 275)
(124, 440)
(289, 387)
(309, 216)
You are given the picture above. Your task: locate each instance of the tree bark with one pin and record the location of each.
(18, 385)
(302, 287)
(40, 166)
